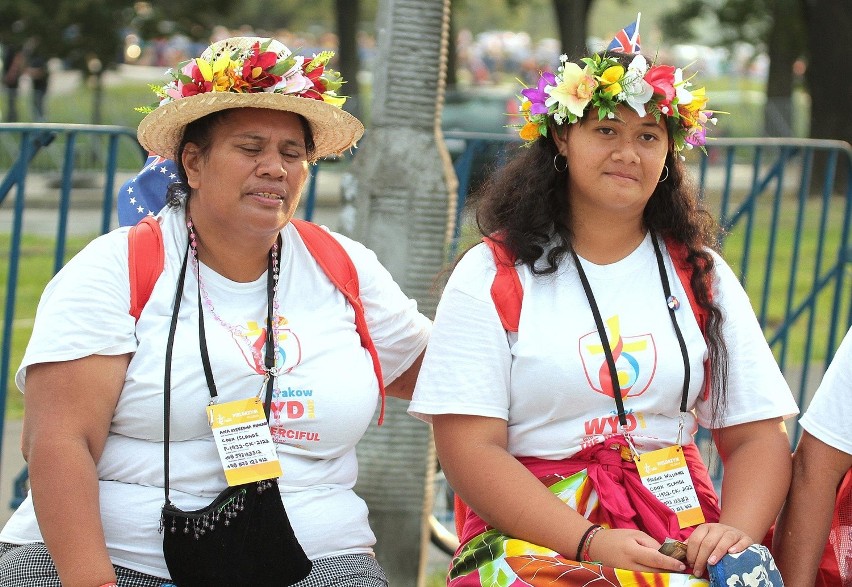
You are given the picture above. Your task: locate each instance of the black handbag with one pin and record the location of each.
(244, 536)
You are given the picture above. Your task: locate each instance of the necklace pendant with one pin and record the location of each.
(673, 303)
(263, 385)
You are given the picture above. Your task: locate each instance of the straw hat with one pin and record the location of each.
(251, 72)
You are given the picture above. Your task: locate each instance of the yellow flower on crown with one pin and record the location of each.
(610, 80)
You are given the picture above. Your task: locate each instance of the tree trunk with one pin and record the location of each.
(452, 55)
(400, 202)
(783, 52)
(348, 13)
(571, 18)
(97, 81)
(829, 23)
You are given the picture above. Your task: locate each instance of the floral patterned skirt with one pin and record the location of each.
(490, 558)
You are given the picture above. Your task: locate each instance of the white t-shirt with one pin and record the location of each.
(829, 415)
(550, 382)
(321, 406)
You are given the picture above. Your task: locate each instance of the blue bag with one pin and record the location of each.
(753, 567)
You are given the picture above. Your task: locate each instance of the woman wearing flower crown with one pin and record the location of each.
(248, 378)
(590, 397)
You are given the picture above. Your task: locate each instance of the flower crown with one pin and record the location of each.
(252, 70)
(604, 83)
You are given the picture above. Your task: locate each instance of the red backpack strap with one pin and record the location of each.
(508, 296)
(145, 261)
(338, 267)
(678, 252)
(506, 289)
(835, 550)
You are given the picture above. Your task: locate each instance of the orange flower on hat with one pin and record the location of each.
(530, 130)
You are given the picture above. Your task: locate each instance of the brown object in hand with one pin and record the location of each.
(674, 548)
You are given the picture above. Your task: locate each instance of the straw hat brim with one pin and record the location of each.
(334, 130)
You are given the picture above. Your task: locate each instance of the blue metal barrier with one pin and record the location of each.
(101, 148)
(785, 233)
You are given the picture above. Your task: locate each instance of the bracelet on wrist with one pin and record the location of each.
(580, 547)
(587, 544)
(110, 584)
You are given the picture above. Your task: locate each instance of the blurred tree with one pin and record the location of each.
(829, 23)
(776, 27)
(193, 18)
(88, 34)
(573, 17)
(347, 13)
(298, 15)
(83, 34)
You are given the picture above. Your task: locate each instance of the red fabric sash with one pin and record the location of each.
(624, 501)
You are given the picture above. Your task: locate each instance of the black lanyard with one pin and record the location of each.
(672, 305)
(269, 358)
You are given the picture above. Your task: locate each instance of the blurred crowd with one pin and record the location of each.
(486, 58)
(167, 51)
(24, 64)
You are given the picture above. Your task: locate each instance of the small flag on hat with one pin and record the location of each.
(627, 39)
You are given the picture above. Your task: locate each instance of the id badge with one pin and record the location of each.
(244, 441)
(665, 474)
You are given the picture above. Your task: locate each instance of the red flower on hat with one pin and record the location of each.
(256, 68)
(661, 78)
(197, 83)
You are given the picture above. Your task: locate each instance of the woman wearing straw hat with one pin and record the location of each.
(242, 317)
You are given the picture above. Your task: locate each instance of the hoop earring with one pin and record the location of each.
(666, 167)
(556, 166)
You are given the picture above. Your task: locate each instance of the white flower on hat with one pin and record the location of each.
(684, 96)
(635, 91)
(294, 81)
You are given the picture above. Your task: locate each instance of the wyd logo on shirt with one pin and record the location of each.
(635, 361)
(252, 344)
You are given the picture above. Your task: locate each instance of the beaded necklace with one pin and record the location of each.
(240, 331)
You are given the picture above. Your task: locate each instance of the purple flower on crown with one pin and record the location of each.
(537, 96)
(696, 136)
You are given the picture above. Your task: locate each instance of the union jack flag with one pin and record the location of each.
(627, 39)
(145, 193)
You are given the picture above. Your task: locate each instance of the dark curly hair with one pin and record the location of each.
(200, 132)
(526, 204)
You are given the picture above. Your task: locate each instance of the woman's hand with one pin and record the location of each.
(633, 550)
(710, 542)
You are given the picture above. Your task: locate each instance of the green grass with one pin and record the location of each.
(793, 263)
(77, 106)
(34, 271)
